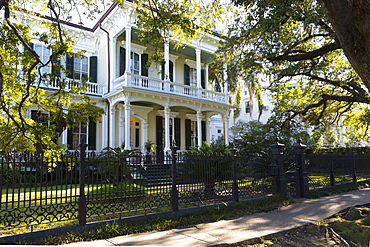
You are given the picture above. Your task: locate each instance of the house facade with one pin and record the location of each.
(167, 102)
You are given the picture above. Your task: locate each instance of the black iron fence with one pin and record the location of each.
(82, 187)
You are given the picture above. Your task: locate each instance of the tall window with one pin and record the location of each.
(135, 63)
(79, 135)
(247, 107)
(81, 66)
(44, 54)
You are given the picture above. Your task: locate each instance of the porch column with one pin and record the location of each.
(128, 54)
(226, 88)
(121, 133)
(167, 65)
(208, 130)
(127, 125)
(167, 141)
(199, 67)
(225, 119)
(206, 75)
(112, 126)
(144, 136)
(104, 130)
(199, 128)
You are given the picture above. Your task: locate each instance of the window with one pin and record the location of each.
(247, 107)
(40, 117)
(79, 135)
(135, 63)
(82, 133)
(138, 63)
(81, 68)
(191, 74)
(44, 54)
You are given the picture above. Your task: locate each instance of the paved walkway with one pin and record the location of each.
(302, 212)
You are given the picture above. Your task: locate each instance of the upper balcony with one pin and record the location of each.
(164, 86)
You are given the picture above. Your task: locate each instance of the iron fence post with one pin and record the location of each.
(354, 176)
(278, 156)
(82, 197)
(174, 192)
(302, 183)
(235, 189)
(332, 178)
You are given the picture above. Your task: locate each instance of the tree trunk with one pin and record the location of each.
(351, 22)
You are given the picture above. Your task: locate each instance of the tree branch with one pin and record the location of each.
(307, 55)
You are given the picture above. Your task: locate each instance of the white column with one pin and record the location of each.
(206, 76)
(167, 141)
(104, 130)
(208, 130)
(128, 54)
(144, 135)
(226, 88)
(226, 129)
(167, 60)
(199, 67)
(127, 125)
(167, 65)
(199, 128)
(112, 127)
(121, 124)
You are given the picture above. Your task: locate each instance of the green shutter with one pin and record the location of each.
(187, 133)
(92, 135)
(55, 60)
(122, 61)
(69, 139)
(159, 134)
(186, 74)
(171, 71)
(178, 132)
(94, 69)
(70, 66)
(202, 78)
(204, 131)
(144, 61)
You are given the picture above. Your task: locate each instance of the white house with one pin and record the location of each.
(140, 103)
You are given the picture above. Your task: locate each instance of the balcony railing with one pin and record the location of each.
(147, 83)
(92, 88)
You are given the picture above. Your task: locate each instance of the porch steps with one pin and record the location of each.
(152, 175)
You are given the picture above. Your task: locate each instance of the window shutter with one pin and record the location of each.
(26, 49)
(35, 116)
(204, 131)
(159, 134)
(187, 133)
(202, 78)
(171, 71)
(122, 61)
(186, 74)
(55, 60)
(94, 69)
(144, 61)
(69, 139)
(92, 135)
(70, 66)
(177, 132)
